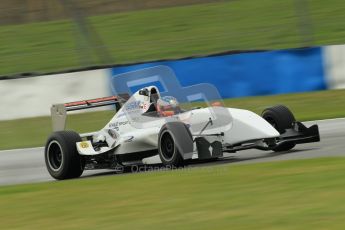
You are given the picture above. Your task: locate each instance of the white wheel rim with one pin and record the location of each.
(160, 147)
(48, 156)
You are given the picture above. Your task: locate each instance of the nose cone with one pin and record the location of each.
(249, 126)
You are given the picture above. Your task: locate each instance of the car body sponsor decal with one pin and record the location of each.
(84, 145)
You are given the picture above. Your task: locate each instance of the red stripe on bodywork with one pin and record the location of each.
(86, 102)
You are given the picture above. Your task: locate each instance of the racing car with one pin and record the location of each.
(147, 124)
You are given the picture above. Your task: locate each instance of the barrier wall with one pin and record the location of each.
(31, 97)
(237, 75)
(334, 63)
(248, 74)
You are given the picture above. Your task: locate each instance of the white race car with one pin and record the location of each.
(148, 124)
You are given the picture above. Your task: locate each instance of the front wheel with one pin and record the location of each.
(61, 156)
(281, 118)
(167, 149)
(175, 144)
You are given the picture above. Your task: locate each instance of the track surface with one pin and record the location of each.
(27, 165)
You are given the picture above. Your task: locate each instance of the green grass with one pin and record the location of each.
(171, 33)
(304, 194)
(306, 106)
(33, 132)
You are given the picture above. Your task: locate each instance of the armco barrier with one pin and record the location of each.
(247, 74)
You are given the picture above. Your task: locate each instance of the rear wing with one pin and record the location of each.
(59, 111)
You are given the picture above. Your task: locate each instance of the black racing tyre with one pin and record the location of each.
(167, 149)
(281, 118)
(61, 156)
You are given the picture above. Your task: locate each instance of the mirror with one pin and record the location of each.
(144, 92)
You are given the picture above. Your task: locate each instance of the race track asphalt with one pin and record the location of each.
(21, 166)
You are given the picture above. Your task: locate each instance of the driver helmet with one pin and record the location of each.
(167, 106)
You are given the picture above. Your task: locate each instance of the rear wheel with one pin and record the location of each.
(61, 156)
(281, 118)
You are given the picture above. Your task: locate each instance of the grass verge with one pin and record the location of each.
(32, 132)
(173, 33)
(304, 194)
